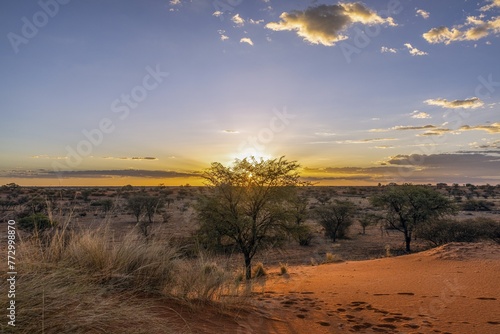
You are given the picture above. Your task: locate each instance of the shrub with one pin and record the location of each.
(283, 268)
(35, 222)
(303, 234)
(479, 205)
(259, 270)
(439, 232)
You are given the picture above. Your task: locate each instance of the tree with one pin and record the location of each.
(247, 204)
(368, 219)
(335, 217)
(407, 206)
(143, 204)
(135, 204)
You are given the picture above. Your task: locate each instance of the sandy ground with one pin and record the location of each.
(452, 289)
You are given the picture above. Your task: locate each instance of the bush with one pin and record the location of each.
(439, 232)
(302, 234)
(35, 222)
(259, 270)
(480, 205)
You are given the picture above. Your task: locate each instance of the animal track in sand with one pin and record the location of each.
(486, 298)
(406, 293)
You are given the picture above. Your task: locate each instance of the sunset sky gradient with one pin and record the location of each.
(149, 92)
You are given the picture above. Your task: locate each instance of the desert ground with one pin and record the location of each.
(364, 283)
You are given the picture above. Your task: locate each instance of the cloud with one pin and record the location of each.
(47, 174)
(325, 134)
(325, 24)
(45, 156)
(217, 13)
(385, 49)
(131, 158)
(364, 141)
(238, 20)
(465, 32)
(492, 128)
(486, 145)
(423, 13)
(223, 37)
(246, 40)
(420, 114)
(175, 2)
(230, 131)
(414, 51)
(470, 103)
(410, 127)
(493, 4)
(255, 21)
(435, 132)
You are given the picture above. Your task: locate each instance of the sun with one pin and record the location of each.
(249, 153)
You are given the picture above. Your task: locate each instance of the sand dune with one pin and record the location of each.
(451, 289)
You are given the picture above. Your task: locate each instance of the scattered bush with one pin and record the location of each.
(477, 205)
(439, 232)
(332, 258)
(259, 270)
(35, 223)
(283, 268)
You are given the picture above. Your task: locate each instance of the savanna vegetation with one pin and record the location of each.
(94, 260)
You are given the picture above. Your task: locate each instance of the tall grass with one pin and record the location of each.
(84, 282)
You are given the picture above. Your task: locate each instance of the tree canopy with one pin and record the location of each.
(249, 204)
(408, 206)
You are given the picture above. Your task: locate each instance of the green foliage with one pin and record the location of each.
(248, 205)
(440, 231)
(335, 217)
(368, 219)
(479, 205)
(35, 223)
(407, 206)
(302, 234)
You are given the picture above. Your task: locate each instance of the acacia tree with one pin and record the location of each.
(335, 217)
(247, 203)
(408, 206)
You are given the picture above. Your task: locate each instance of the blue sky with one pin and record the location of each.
(149, 92)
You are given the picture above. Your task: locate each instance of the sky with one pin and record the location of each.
(147, 92)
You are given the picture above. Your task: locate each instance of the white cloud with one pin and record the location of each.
(493, 4)
(325, 24)
(491, 128)
(476, 29)
(414, 51)
(223, 37)
(246, 40)
(255, 21)
(470, 103)
(420, 114)
(385, 49)
(238, 20)
(217, 13)
(175, 2)
(423, 13)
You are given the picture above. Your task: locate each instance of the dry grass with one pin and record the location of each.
(83, 282)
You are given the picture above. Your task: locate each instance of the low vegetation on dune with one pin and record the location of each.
(98, 260)
(83, 282)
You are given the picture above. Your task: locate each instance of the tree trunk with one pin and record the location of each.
(248, 267)
(408, 241)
